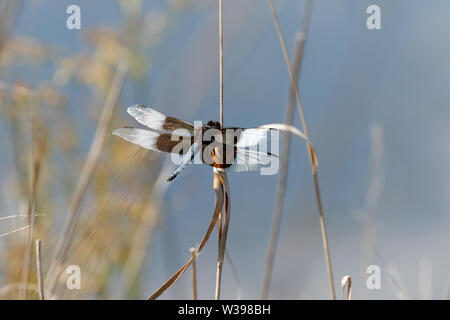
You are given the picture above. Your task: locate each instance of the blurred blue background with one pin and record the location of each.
(362, 91)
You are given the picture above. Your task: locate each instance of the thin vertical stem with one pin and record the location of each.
(222, 233)
(221, 61)
(39, 270)
(38, 146)
(194, 273)
(219, 266)
(324, 236)
(312, 155)
(284, 158)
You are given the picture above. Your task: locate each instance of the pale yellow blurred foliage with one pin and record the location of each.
(24, 50)
(118, 197)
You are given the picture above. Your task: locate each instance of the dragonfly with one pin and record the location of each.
(227, 148)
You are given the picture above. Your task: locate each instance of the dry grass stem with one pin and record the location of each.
(224, 222)
(284, 157)
(38, 148)
(286, 128)
(224, 217)
(87, 173)
(194, 273)
(221, 60)
(14, 231)
(312, 154)
(39, 270)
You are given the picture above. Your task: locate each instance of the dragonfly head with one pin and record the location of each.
(213, 124)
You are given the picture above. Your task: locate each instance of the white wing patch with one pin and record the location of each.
(253, 137)
(250, 160)
(147, 116)
(145, 138)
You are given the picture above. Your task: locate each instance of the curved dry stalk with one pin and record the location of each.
(224, 222)
(311, 151)
(286, 128)
(284, 156)
(282, 178)
(218, 188)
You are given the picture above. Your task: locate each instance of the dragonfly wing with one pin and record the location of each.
(156, 120)
(250, 160)
(253, 137)
(151, 140)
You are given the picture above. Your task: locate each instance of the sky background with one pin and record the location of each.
(352, 80)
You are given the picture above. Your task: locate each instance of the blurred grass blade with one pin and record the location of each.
(88, 171)
(236, 276)
(13, 231)
(39, 270)
(311, 151)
